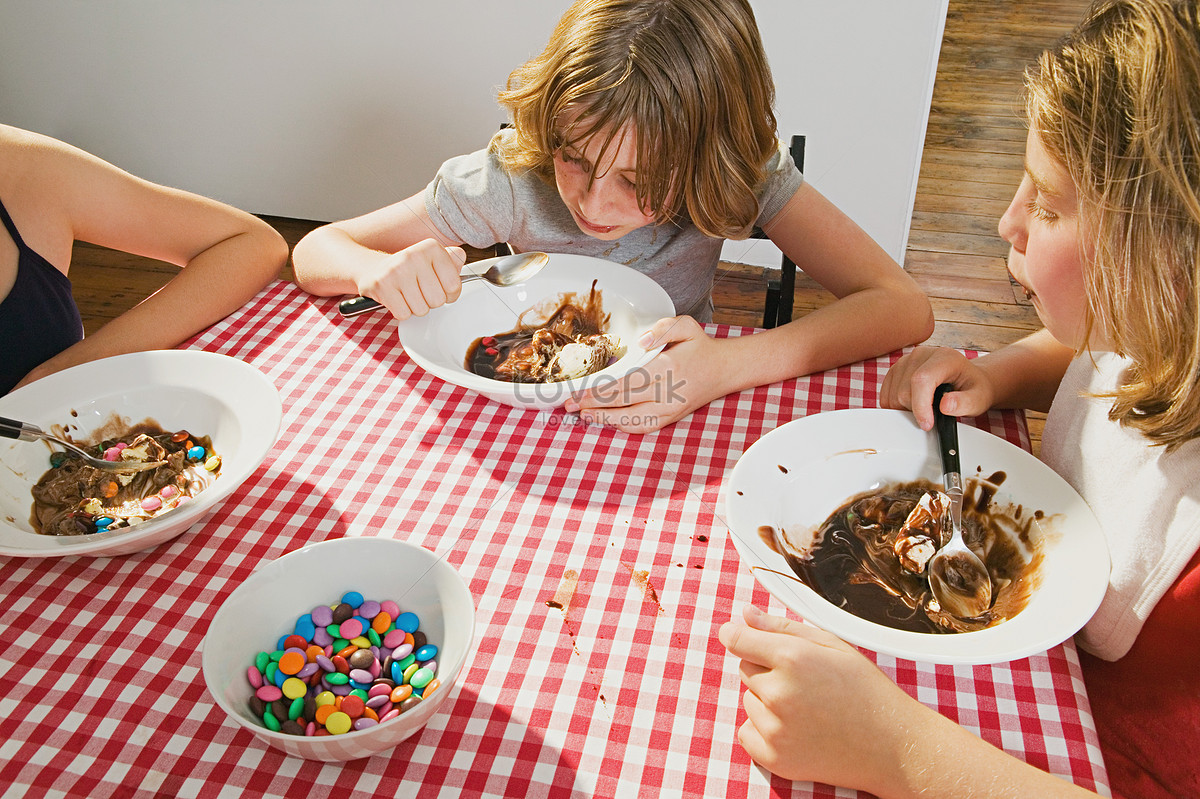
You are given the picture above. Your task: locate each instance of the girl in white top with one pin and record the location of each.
(1105, 235)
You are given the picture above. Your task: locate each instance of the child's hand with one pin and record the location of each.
(912, 381)
(416, 279)
(816, 708)
(685, 376)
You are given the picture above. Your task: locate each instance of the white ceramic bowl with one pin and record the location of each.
(208, 394)
(829, 457)
(439, 340)
(266, 606)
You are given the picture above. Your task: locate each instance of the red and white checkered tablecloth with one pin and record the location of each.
(624, 692)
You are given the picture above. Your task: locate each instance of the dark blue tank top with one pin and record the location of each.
(38, 318)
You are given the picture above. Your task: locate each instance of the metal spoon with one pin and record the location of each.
(958, 578)
(507, 270)
(24, 431)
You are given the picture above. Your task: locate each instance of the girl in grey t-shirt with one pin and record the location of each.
(643, 134)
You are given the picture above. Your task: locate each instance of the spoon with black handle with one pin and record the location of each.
(24, 431)
(958, 578)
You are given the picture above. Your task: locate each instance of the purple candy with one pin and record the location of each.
(361, 675)
(402, 651)
(340, 690)
(309, 670)
(378, 701)
(368, 609)
(322, 637)
(326, 663)
(322, 615)
(364, 722)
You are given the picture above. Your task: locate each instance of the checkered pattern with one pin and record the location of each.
(624, 691)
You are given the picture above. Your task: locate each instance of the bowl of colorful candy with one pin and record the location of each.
(341, 649)
(215, 419)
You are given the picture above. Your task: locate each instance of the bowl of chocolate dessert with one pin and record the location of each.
(172, 434)
(837, 515)
(572, 325)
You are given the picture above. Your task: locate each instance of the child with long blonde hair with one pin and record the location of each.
(644, 133)
(1105, 235)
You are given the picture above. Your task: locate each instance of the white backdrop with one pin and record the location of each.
(324, 109)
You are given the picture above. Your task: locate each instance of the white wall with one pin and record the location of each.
(324, 109)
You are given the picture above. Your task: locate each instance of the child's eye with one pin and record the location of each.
(1038, 212)
(575, 160)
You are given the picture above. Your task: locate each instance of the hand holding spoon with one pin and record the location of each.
(507, 270)
(958, 578)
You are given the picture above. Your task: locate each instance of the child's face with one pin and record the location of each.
(605, 208)
(1042, 225)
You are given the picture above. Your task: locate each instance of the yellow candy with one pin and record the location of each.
(325, 698)
(362, 642)
(294, 688)
(213, 463)
(338, 723)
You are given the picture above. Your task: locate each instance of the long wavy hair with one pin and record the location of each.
(688, 76)
(1117, 104)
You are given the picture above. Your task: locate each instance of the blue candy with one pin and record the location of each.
(353, 599)
(427, 652)
(195, 454)
(408, 622)
(305, 627)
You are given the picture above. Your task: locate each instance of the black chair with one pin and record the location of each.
(781, 292)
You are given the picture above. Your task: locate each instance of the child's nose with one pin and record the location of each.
(1013, 227)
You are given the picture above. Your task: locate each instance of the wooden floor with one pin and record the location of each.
(971, 165)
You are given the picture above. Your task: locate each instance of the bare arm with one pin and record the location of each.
(818, 710)
(393, 255)
(68, 195)
(879, 309)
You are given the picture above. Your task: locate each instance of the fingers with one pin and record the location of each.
(668, 331)
(423, 276)
(911, 382)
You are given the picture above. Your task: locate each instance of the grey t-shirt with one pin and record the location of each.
(475, 200)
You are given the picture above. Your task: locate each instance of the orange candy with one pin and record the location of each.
(370, 713)
(312, 652)
(381, 622)
(324, 712)
(400, 693)
(291, 662)
(433, 686)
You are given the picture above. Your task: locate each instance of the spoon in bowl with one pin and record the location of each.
(24, 431)
(958, 578)
(506, 270)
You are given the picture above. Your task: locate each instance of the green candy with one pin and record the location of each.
(336, 678)
(271, 722)
(296, 709)
(260, 661)
(374, 638)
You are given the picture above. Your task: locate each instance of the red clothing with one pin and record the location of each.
(1147, 704)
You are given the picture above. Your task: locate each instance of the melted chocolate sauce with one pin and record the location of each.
(854, 565)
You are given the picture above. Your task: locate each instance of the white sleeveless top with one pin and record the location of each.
(1148, 502)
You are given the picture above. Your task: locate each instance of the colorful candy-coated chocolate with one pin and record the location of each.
(408, 622)
(195, 453)
(344, 667)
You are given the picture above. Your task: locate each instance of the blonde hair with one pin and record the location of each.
(1117, 104)
(689, 76)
